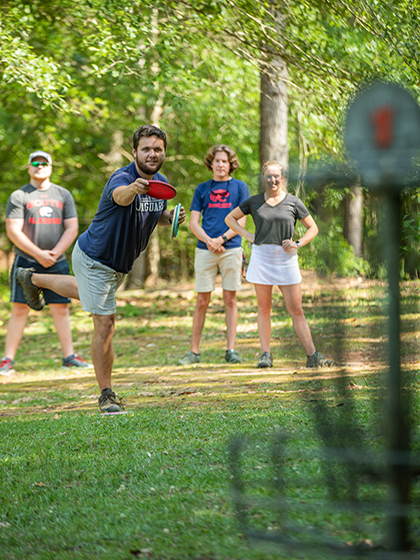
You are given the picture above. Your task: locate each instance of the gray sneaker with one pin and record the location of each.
(32, 293)
(108, 401)
(232, 357)
(75, 361)
(6, 366)
(189, 358)
(318, 360)
(265, 360)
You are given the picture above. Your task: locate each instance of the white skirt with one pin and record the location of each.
(272, 265)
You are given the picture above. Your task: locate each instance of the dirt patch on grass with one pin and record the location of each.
(347, 317)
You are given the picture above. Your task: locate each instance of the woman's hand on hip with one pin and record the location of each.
(289, 245)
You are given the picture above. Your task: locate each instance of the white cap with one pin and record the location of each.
(40, 153)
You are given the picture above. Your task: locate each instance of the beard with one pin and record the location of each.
(149, 169)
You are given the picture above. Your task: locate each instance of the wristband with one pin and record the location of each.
(224, 238)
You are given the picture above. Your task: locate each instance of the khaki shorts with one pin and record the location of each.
(97, 283)
(207, 263)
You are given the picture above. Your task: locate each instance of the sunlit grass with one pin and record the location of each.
(155, 482)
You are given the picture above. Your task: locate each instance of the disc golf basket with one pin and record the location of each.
(347, 495)
(321, 502)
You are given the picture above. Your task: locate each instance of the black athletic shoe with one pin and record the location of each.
(31, 293)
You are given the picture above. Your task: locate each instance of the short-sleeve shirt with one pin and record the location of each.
(274, 224)
(43, 213)
(215, 200)
(118, 234)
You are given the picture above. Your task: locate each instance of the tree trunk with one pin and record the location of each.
(153, 258)
(145, 270)
(353, 209)
(153, 249)
(273, 113)
(137, 276)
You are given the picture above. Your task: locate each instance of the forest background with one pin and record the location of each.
(271, 79)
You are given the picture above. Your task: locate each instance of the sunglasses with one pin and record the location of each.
(39, 164)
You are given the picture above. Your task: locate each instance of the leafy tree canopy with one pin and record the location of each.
(78, 78)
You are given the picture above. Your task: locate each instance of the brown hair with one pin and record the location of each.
(148, 130)
(232, 157)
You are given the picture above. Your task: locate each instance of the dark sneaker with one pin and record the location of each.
(75, 361)
(189, 358)
(232, 357)
(108, 401)
(32, 293)
(318, 360)
(6, 366)
(265, 360)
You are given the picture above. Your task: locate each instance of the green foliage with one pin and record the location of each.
(330, 253)
(410, 242)
(4, 286)
(78, 78)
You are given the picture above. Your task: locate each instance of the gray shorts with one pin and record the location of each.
(97, 283)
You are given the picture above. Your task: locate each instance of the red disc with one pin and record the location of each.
(159, 189)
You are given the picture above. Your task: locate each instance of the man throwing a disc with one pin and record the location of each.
(105, 252)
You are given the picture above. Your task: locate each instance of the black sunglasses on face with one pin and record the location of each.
(39, 164)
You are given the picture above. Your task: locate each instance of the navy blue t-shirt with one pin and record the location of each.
(118, 234)
(215, 200)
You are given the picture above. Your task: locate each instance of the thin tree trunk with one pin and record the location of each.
(183, 258)
(273, 113)
(353, 210)
(303, 159)
(153, 254)
(145, 270)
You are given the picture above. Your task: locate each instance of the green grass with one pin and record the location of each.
(156, 482)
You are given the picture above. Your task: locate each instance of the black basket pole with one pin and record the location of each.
(397, 428)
